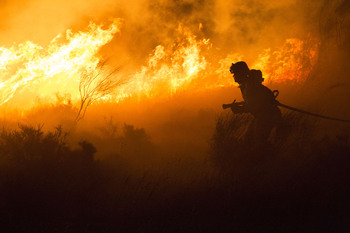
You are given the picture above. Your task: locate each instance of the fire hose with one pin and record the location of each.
(311, 113)
(276, 92)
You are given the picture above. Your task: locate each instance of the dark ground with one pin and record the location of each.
(297, 183)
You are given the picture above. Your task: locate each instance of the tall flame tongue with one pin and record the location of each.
(29, 67)
(169, 68)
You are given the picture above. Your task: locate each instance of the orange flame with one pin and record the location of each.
(293, 62)
(47, 71)
(169, 68)
(43, 72)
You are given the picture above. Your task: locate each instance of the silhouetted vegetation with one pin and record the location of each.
(296, 183)
(42, 180)
(95, 84)
(230, 140)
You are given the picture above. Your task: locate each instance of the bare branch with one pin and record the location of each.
(94, 85)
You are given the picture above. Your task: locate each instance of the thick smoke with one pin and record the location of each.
(236, 26)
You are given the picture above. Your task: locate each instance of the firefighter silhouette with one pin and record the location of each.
(259, 101)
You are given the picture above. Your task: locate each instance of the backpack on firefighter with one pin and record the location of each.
(255, 76)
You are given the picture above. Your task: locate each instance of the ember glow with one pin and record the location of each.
(31, 71)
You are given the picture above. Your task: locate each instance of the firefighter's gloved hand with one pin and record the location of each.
(238, 108)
